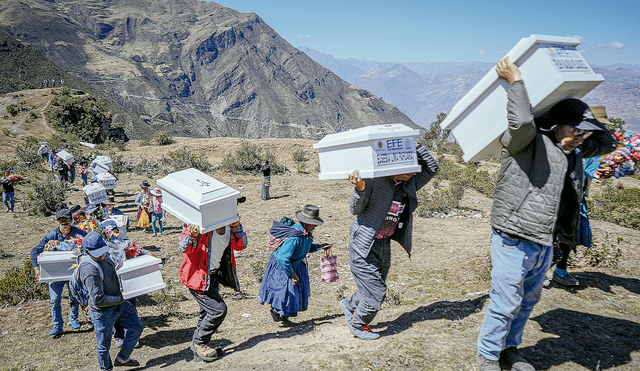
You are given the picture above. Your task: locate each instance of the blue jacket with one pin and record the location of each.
(294, 249)
(55, 235)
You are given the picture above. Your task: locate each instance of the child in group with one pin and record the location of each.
(84, 174)
(285, 284)
(155, 208)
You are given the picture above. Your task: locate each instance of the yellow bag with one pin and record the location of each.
(143, 222)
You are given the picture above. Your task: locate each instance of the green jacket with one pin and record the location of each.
(532, 173)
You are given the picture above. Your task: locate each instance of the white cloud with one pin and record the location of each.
(480, 52)
(612, 46)
(303, 36)
(502, 51)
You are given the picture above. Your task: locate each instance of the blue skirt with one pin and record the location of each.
(278, 289)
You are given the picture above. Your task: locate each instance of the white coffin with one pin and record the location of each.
(101, 164)
(196, 198)
(66, 157)
(95, 192)
(107, 180)
(376, 151)
(140, 275)
(55, 265)
(552, 70)
(121, 222)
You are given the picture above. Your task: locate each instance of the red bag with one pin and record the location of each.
(329, 267)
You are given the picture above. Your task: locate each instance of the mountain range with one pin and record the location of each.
(422, 90)
(182, 65)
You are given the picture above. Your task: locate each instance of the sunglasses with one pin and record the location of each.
(581, 133)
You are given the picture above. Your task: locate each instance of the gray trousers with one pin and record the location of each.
(370, 275)
(213, 310)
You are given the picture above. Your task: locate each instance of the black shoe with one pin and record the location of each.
(130, 362)
(510, 359)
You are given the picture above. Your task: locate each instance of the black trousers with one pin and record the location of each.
(213, 310)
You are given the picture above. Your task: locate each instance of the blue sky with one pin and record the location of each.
(449, 31)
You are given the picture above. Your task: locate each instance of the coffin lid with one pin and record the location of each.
(56, 256)
(93, 188)
(365, 134)
(195, 187)
(66, 157)
(105, 176)
(138, 262)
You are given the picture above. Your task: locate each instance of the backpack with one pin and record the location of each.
(77, 290)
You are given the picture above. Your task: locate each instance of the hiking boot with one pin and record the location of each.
(204, 352)
(486, 364)
(75, 324)
(510, 358)
(56, 331)
(347, 313)
(363, 332)
(565, 278)
(129, 362)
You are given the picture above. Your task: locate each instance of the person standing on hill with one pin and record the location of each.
(155, 208)
(64, 232)
(537, 198)
(266, 180)
(8, 191)
(208, 261)
(384, 211)
(208, 131)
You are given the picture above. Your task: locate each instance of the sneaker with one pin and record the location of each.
(566, 280)
(204, 352)
(486, 364)
(56, 331)
(119, 342)
(75, 324)
(510, 359)
(347, 313)
(363, 332)
(129, 362)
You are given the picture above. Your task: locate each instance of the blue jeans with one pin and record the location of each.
(8, 199)
(125, 315)
(55, 300)
(519, 269)
(156, 218)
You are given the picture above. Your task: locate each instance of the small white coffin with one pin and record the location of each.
(66, 157)
(140, 275)
(95, 192)
(552, 70)
(107, 180)
(196, 198)
(101, 164)
(55, 265)
(376, 151)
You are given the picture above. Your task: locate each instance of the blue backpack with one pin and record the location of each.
(77, 290)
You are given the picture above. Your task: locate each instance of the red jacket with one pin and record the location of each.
(194, 272)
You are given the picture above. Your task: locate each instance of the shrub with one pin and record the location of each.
(167, 300)
(6, 131)
(182, 158)
(440, 201)
(44, 197)
(257, 268)
(144, 142)
(146, 167)
(619, 206)
(249, 157)
(600, 254)
(60, 141)
(19, 284)
(87, 117)
(13, 109)
(162, 138)
(27, 154)
(300, 158)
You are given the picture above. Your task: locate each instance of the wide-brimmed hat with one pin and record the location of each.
(145, 184)
(156, 192)
(310, 214)
(94, 244)
(75, 210)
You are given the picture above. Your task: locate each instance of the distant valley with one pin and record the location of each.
(422, 90)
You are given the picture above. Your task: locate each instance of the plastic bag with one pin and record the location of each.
(329, 267)
(143, 222)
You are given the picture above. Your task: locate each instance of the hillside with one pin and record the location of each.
(181, 65)
(430, 321)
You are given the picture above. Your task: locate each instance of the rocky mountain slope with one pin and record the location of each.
(422, 90)
(184, 64)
